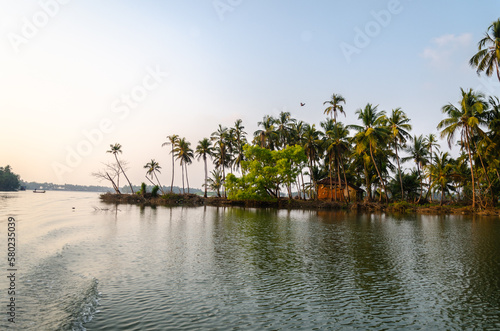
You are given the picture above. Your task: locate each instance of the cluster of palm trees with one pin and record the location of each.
(371, 156)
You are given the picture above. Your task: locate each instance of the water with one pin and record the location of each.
(132, 268)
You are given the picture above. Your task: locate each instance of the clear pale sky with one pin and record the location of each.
(77, 76)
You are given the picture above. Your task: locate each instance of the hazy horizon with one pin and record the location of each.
(78, 76)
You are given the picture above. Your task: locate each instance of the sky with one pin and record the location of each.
(77, 76)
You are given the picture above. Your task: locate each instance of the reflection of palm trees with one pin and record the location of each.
(488, 57)
(115, 149)
(203, 150)
(184, 153)
(153, 168)
(466, 121)
(172, 140)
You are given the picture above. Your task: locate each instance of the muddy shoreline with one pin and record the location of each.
(193, 200)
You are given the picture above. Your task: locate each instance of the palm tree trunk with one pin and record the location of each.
(206, 176)
(378, 172)
(421, 186)
(173, 168)
(340, 181)
(399, 169)
(124, 174)
(471, 168)
(345, 180)
(159, 184)
(183, 192)
(187, 177)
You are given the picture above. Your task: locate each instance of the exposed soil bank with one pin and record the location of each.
(193, 200)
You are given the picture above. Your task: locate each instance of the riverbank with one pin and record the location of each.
(193, 200)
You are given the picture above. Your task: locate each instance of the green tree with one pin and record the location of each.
(373, 134)
(153, 168)
(115, 150)
(399, 125)
(9, 181)
(418, 153)
(334, 105)
(487, 59)
(204, 150)
(184, 153)
(465, 120)
(441, 174)
(172, 141)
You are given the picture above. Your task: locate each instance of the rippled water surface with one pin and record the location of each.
(133, 268)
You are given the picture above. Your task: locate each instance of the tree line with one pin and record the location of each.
(288, 155)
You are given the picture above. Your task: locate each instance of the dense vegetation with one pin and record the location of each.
(286, 155)
(9, 181)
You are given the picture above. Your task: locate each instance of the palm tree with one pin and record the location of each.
(239, 140)
(312, 147)
(372, 134)
(115, 149)
(184, 153)
(465, 120)
(221, 154)
(418, 153)
(334, 105)
(172, 140)
(215, 182)
(336, 146)
(283, 127)
(203, 150)
(399, 124)
(488, 57)
(430, 142)
(153, 168)
(265, 137)
(441, 173)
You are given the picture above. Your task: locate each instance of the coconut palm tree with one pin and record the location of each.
(240, 140)
(283, 127)
(172, 141)
(466, 120)
(488, 57)
(184, 153)
(441, 174)
(203, 150)
(221, 154)
(399, 124)
(430, 142)
(215, 182)
(153, 168)
(266, 136)
(334, 105)
(373, 134)
(418, 153)
(115, 150)
(312, 146)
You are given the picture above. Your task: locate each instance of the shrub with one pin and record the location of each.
(155, 190)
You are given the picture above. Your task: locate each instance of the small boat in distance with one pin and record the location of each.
(35, 191)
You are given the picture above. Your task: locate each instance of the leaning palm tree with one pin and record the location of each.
(184, 153)
(464, 120)
(373, 134)
(172, 140)
(153, 168)
(115, 149)
(488, 57)
(203, 150)
(334, 105)
(399, 124)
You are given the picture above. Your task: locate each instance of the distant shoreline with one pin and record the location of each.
(193, 200)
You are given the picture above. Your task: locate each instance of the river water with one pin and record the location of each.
(81, 264)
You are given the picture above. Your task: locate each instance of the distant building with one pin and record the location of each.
(331, 190)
